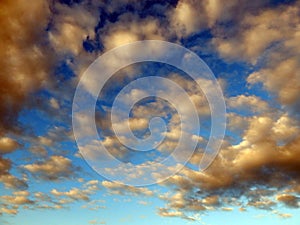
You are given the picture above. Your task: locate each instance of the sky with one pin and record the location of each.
(51, 173)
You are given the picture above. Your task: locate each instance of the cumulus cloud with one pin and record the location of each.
(267, 37)
(75, 194)
(256, 31)
(55, 199)
(121, 189)
(19, 198)
(263, 158)
(280, 78)
(8, 145)
(8, 211)
(53, 168)
(10, 203)
(10, 181)
(188, 17)
(289, 200)
(130, 28)
(248, 104)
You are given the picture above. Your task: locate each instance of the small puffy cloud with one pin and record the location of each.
(130, 28)
(133, 123)
(121, 189)
(54, 168)
(119, 38)
(44, 141)
(11, 203)
(94, 205)
(248, 103)
(54, 103)
(166, 213)
(263, 203)
(213, 200)
(8, 211)
(11, 181)
(74, 193)
(227, 209)
(8, 145)
(289, 200)
(17, 200)
(282, 215)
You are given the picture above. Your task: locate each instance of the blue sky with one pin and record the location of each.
(252, 51)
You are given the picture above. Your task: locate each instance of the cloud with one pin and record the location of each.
(38, 150)
(248, 103)
(255, 31)
(8, 211)
(5, 165)
(164, 212)
(282, 215)
(237, 122)
(263, 203)
(130, 28)
(53, 168)
(289, 200)
(94, 205)
(11, 203)
(30, 200)
(280, 78)
(8, 145)
(74, 194)
(188, 17)
(9, 180)
(96, 222)
(18, 199)
(71, 26)
(266, 37)
(252, 172)
(25, 59)
(121, 189)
